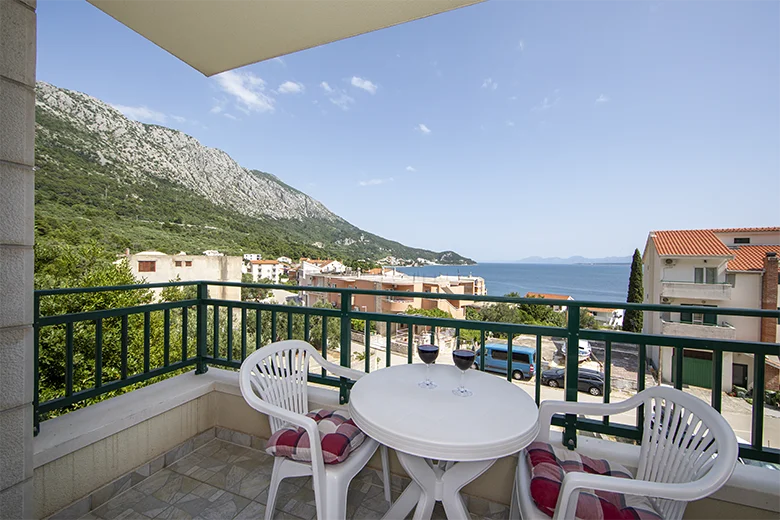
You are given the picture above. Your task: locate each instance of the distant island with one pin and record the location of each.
(575, 260)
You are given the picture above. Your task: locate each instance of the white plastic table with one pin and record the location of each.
(463, 435)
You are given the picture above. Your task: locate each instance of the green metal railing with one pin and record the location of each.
(226, 331)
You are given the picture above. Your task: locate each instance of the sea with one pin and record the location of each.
(593, 282)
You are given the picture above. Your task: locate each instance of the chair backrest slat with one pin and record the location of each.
(280, 377)
(683, 440)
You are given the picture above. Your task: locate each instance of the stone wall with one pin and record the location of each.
(17, 194)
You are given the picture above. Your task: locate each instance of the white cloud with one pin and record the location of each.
(337, 96)
(512, 98)
(411, 169)
(546, 104)
(521, 46)
(490, 84)
(342, 100)
(216, 109)
(248, 91)
(510, 123)
(279, 60)
(602, 99)
(375, 182)
(179, 119)
(291, 87)
(230, 116)
(364, 84)
(424, 129)
(142, 113)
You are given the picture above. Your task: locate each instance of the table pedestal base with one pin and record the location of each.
(435, 482)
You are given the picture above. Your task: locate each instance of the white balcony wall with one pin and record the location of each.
(696, 291)
(698, 331)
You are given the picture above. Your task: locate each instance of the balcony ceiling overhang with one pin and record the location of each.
(218, 35)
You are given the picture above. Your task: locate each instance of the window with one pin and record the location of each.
(188, 263)
(520, 358)
(500, 355)
(147, 266)
(742, 240)
(705, 275)
(698, 318)
(177, 263)
(731, 279)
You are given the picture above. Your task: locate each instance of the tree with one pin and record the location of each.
(633, 319)
(254, 294)
(587, 321)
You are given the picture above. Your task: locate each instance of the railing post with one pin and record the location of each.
(346, 343)
(572, 368)
(36, 356)
(202, 325)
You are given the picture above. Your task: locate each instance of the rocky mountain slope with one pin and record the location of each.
(123, 183)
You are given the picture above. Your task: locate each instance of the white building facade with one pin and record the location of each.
(735, 268)
(252, 256)
(157, 267)
(266, 270)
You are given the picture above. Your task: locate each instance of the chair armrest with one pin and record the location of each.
(349, 373)
(333, 368)
(574, 482)
(296, 419)
(549, 408)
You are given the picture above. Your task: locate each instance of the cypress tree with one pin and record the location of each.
(632, 320)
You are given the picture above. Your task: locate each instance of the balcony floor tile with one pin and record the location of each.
(222, 481)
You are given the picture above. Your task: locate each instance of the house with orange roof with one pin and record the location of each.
(556, 308)
(730, 267)
(266, 270)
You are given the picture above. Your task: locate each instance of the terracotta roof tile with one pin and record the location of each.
(747, 230)
(548, 296)
(691, 242)
(750, 258)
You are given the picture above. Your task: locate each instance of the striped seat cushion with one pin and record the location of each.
(338, 438)
(550, 464)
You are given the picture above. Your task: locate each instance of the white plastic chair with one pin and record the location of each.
(688, 452)
(273, 381)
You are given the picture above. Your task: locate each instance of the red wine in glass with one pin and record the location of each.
(463, 359)
(428, 354)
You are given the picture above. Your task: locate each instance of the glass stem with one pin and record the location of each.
(427, 372)
(462, 377)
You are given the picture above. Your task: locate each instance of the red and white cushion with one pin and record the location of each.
(549, 466)
(339, 436)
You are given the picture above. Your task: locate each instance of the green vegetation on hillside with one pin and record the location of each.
(81, 198)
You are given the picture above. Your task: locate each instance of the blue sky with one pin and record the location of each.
(503, 130)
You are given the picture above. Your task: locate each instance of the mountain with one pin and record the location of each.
(102, 177)
(575, 260)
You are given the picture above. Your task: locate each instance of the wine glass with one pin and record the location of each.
(428, 354)
(463, 359)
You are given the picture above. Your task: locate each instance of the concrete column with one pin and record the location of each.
(17, 186)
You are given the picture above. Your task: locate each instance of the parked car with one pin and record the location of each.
(583, 349)
(523, 360)
(590, 381)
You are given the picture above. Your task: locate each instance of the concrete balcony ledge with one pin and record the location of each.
(696, 330)
(83, 458)
(698, 291)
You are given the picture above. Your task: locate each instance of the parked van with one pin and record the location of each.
(523, 360)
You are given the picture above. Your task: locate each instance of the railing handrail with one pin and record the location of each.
(725, 311)
(344, 313)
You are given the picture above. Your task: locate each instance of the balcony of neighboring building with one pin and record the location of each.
(695, 290)
(698, 328)
(395, 304)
